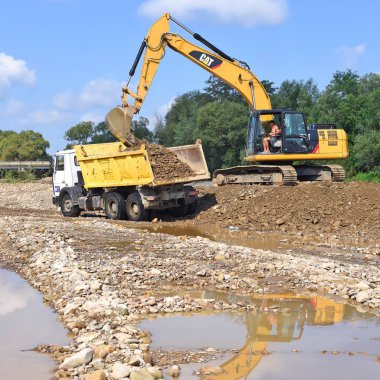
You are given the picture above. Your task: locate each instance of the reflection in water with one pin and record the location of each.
(306, 325)
(219, 235)
(25, 322)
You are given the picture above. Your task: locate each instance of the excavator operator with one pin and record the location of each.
(273, 138)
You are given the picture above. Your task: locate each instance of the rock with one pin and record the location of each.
(362, 296)
(219, 256)
(155, 372)
(95, 285)
(102, 351)
(120, 370)
(142, 374)
(280, 222)
(209, 370)
(174, 371)
(82, 357)
(136, 360)
(123, 309)
(202, 273)
(97, 375)
(155, 271)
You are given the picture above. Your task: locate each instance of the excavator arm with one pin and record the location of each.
(234, 73)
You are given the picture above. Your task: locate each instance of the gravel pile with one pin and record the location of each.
(344, 208)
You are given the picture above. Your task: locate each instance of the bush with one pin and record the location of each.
(365, 153)
(14, 176)
(366, 177)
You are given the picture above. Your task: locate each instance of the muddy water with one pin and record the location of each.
(25, 322)
(288, 338)
(245, 239)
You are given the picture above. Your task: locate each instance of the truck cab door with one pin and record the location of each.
(59, 173)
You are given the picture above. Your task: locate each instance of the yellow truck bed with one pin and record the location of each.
(111, 165)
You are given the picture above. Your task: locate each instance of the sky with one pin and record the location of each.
(65, 61)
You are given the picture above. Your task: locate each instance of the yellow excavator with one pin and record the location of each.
(296, 142)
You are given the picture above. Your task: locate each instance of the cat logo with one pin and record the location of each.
(208, 60)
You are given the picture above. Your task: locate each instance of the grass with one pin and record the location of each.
(366, 177)
(14, 176)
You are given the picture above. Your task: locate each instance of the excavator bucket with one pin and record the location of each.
(119, 121)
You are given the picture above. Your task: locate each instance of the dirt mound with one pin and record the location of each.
(309, 207)
(165, 163)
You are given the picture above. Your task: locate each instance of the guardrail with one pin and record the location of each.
(25, 165)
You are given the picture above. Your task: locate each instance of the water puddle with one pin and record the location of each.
(25, 322)
(235, 237)
(287, 337)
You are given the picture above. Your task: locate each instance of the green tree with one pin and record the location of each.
(365, 153)
(24, 146)
(218, 90)
(222, 128)
(101, 134)
(80, 133)
(140, 129)
(160, 132)
(298, 95)
(180, 121)
(269, 87)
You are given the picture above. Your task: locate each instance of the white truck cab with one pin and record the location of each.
(65, 172)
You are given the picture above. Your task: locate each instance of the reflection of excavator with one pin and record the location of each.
(284, 326)
(296, 142)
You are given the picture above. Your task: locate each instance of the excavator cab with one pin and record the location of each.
(293, 138)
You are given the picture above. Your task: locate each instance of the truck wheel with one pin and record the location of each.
(135, 208)
(68, 208)
(115, 206)
(180, 211)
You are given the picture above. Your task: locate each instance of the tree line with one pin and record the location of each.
(218, 115)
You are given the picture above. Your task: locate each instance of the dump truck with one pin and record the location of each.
(122, 182)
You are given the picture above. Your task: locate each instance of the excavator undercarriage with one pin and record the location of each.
(278, 174)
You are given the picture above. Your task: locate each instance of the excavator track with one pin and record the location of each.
(326, 173)
(257, 174)
(338, 173)
(285, 175)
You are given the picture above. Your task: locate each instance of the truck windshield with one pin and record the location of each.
(294, 124)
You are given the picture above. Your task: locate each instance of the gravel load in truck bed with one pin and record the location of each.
(165, 164)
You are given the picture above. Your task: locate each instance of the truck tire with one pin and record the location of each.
(180, 211)
(135, 208)
(114, 206)
(68, 208)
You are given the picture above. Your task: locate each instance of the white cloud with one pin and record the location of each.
(14, 297)
(100, 92)
(14, 107)
(351, 55)
(241, 12)
(64, 100)
(43, 117)
(93, 116)
(14, 70)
